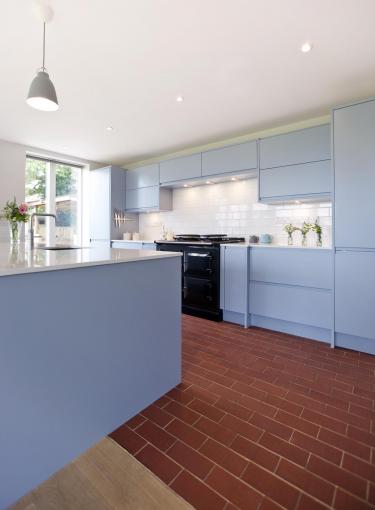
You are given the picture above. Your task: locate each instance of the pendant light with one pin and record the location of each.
(42, 93)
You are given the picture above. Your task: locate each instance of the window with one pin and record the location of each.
(55, 187)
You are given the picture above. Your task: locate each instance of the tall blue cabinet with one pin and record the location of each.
(354, 233)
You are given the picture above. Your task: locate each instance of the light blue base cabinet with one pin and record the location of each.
(282, 289)
(133, 245)
(234, 284)
(354, 300)
(291, 291)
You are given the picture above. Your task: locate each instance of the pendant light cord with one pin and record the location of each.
(44, 45)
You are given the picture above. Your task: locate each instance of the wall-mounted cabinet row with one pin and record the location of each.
(290, 165)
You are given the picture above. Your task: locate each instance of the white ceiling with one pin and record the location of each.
(122, 63)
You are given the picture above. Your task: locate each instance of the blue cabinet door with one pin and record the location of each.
(300, 305)
(130, 245)
(291, 291)
(142, 177)
(107, 196)
(289, 266)
(354, 299)
(100, 203)
(354, 165)
(142, 198)
(307, 179)
(235, 279)
(302, 146)
(149, 246)
(234, 158)
(179, 169)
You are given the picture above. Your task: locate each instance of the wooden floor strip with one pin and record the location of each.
(106, 477)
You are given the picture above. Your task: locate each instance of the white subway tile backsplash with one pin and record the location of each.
(232, 208)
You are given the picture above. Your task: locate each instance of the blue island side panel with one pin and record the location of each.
(81, 351)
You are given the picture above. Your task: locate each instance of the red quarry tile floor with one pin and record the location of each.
(262, 421)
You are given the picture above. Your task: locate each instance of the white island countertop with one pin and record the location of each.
(19, 259)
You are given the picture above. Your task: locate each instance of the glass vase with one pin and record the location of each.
(304, 240)
(290, 239)
(15, 230)
(319, 242)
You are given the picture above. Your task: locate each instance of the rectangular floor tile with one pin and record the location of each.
(197, 493)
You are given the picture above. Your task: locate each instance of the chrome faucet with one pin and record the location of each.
(31, 229)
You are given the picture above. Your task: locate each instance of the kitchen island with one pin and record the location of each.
(89, 337)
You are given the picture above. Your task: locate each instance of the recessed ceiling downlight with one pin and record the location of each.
(306, 47)
(109, 128)
(180, 99)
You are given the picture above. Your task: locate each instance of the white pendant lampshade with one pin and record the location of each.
(42, 93)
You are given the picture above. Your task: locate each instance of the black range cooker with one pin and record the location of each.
(200, 272)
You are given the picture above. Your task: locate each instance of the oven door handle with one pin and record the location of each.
(194, 254)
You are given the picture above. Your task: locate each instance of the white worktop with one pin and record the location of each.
(21, 260)
(275, 245)
(132, 241)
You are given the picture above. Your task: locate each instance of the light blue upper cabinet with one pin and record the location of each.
(142, 177)
(354, 164)
(295, 165)
(296, 180)
(302, 146)
(150, 198)
(234, 158)
(180, 169)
